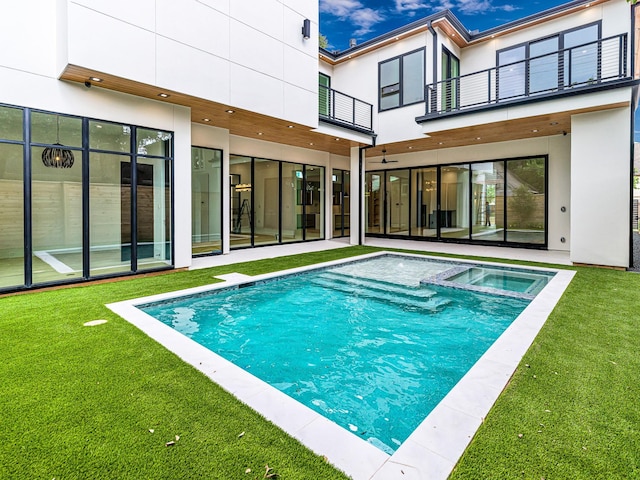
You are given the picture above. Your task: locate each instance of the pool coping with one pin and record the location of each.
(434, 447)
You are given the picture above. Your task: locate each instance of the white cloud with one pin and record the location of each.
(340, 8)
(411, 5)
(365, 18)
(353, 11)
(473, 7)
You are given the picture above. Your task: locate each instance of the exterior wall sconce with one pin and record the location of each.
(306, 29)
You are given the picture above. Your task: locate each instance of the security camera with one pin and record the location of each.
(87, 84)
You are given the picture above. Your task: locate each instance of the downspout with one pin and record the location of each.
(360, 183)
(634, 99)
(434, 53)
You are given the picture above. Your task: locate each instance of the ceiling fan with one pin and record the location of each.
(384, 160)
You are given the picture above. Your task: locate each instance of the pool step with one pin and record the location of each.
(406, 297)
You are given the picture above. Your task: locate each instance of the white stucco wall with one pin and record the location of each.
(227, 52)
(600, 187)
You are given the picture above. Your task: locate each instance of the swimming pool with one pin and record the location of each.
(388, 364)
(365, 344)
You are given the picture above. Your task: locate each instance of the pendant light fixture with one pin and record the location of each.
(57, 156)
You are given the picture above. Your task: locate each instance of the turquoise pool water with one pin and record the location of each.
(365, 344)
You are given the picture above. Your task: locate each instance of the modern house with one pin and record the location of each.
(134, 136)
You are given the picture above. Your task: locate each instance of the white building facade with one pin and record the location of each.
(136, 136)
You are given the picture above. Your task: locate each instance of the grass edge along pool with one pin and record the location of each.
(426, 450)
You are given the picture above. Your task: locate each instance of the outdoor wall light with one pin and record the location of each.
(306, 29)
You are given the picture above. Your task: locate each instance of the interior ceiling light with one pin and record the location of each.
(206, 119)
(289, 126)
(230, 111)
(57, 156)
(164, 95)
(95, 79)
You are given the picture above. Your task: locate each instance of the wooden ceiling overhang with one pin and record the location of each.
(516, 129)
(239, 122)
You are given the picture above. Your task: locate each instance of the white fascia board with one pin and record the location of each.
(342, 133)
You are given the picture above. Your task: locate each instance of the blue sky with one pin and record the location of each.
(341, 20)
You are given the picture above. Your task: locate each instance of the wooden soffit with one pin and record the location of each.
(239, 122)
(517, 129)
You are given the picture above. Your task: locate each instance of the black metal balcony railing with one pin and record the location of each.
(341, 109)
(557, 72)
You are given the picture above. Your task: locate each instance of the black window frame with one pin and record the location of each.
(83, 160)
(399, 87)
(561, 46)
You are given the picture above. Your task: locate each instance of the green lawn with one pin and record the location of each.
(80, 402)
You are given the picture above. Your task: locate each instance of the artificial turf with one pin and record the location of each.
(102, 402)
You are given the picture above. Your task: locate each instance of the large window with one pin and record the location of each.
(341, 202)
(206, 201)
(498, 202)
(402, 80)
(12, 262)
(564, 60)
(95, 200)
(451, 87)
(275, 202)
(56, 198)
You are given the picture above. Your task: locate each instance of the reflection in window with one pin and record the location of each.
(397, 189)
(543, 67)
(526, 200)
(454, 202)
(487, 184)
(56, 196)
(12, 213)
(425, 202)
(267, 202)
(402, 80)
(292, 229)
(341, 202)
(511, 76)
(373, 202)
(314, 202)
(241, 184)
(110, 213)
(153, 214)
(581, 61)
(112, 137)
(206, 200)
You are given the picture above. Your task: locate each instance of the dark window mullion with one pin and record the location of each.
(27, 211)
(134, 199)
(304, 203)
(252, 198)
(279, 202)
(438, 200)
(86, 179)
(504, 203)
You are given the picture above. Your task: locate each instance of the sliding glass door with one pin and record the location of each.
(495, 202)
(275, 202)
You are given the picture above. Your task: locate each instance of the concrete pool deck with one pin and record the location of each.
(504, 253)
(430, 452)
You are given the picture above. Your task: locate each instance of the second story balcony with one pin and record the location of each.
(568, 71)
(344, 110)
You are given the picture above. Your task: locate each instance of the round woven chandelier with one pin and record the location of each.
(57, 156)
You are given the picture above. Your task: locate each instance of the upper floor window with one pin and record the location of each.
(549, 64)
(402, 80)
